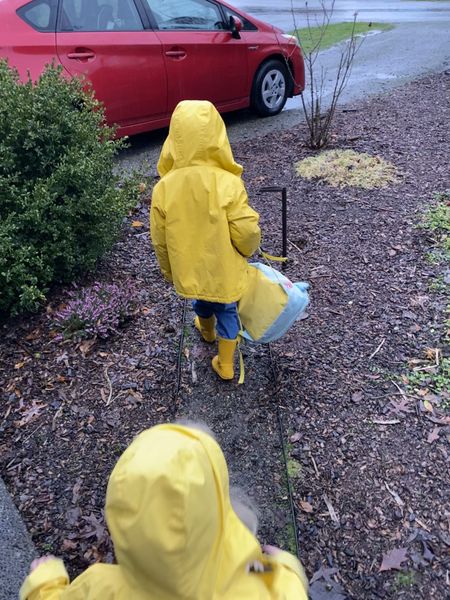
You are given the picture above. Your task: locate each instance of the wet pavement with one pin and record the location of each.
(384, 61)
(384, 11)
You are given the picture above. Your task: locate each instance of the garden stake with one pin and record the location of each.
(283, 191)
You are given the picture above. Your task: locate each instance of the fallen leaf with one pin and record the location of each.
(137, 224)
(68, 545)
(34, 335)
(428, 406)
(86, 346)
(439, 421)
(295, 437)
(76, 490)
(432, 353)
(331, 590)
(427, 554)
(423, 392)
(97, 528)
(401, 407)
(306, 507)
(142, 187)
(433, 435)
(31, 414)
(393, 559)
(357, 396)
(323, 573)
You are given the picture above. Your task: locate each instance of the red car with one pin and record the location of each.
(144, 56)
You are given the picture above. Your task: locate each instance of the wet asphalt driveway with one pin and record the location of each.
(419, 43)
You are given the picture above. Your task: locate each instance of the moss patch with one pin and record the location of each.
(345, 168)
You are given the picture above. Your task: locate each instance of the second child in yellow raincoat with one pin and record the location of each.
(176, 535)
(202, 228)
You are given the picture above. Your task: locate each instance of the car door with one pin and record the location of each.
(203, 60)
(107, 42)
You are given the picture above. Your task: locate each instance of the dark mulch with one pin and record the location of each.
(66, 415)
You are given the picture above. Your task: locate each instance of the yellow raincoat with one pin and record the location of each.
(201, 225)
(175, 534)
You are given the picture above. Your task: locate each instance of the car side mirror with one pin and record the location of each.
(236, 25)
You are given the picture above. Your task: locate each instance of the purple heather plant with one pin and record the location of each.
(95, 311)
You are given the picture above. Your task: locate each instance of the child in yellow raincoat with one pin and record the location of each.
(202, 228)
(176, 535)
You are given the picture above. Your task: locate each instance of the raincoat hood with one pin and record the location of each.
(169, 513)
(197, 136)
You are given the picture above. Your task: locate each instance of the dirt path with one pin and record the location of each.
(67, 412)
(244, 419)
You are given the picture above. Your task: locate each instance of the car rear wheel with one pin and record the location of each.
(270, 88)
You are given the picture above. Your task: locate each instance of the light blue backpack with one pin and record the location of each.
(271, 304)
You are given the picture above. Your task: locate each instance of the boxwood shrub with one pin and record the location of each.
(61, 206)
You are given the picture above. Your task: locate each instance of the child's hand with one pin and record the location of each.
(39, 561)
(271, 550)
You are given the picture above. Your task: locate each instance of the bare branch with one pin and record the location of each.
(320, 123)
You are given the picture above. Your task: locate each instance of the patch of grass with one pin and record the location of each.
(47, 547)
(294, 468)
(405, 580)
(433, 375)
(437, 220)
(436, 379)
(433, 258)
(439, 286)
(287, 539)
(347, 168)
(334, 33)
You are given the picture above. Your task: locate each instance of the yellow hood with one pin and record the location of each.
(168, 509)
(201, 225)
(197, 136)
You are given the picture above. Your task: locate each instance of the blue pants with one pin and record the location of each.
(228, 325)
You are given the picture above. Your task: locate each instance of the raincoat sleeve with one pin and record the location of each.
(289, 581)
(47, 582)
(243, 223)
(158, 233)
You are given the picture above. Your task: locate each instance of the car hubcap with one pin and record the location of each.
(273, 89)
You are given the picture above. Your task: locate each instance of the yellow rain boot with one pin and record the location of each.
(223, 363)
(207, 328)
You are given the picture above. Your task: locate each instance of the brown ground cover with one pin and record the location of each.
(367, 479)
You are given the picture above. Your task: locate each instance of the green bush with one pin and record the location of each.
(61, 206)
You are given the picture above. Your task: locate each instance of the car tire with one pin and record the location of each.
(270, 88)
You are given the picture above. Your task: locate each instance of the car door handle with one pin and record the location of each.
(176, 53)
(81, 55)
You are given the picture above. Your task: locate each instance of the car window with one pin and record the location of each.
(99, 15)
(40, 14)
(186, 14)
(247, 25)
